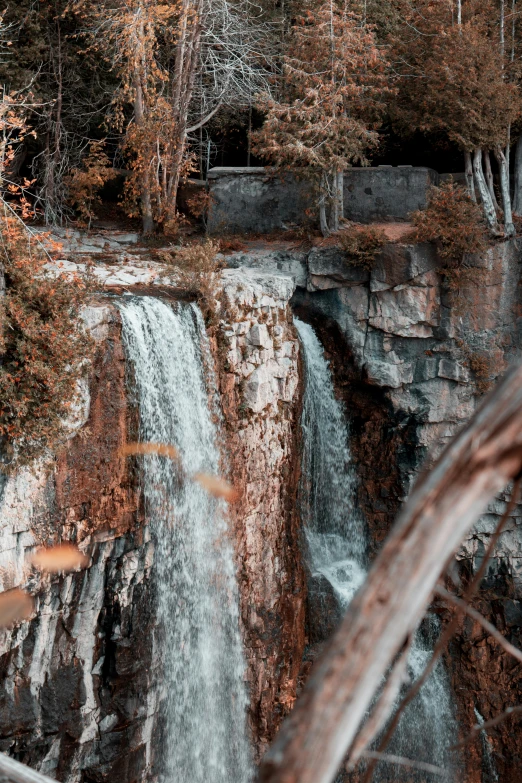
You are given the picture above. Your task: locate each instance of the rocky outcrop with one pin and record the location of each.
(260, 388)
(78, 703)
(413, 353)
(82, 696)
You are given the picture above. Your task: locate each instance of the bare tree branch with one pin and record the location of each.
(448, 631)
(489, 627)
(404, 762)
(443, 507)
(478, 727)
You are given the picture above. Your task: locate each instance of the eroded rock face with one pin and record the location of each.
(82, 695)
(411, 360)
(260, 390)
(78, 700)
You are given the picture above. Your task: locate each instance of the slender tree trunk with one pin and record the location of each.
(325, 230)
(249, 140)
(340, 193)
(506, 195)
(334, 219)
(469, 177)
(517, 201)
(489, 180)
(145, 195)
(487, 203)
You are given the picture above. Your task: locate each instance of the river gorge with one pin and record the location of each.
(320, 390)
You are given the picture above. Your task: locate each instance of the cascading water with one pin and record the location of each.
(337, 548)
(203, 668)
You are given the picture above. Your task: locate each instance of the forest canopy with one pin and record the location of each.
(143, 94)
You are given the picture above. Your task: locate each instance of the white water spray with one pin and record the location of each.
(197, 598)
(337, 546)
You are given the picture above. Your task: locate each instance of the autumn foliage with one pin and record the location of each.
(44, 350)
(332, 98)
(453, 222)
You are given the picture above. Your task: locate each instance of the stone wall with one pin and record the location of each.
(259, 200)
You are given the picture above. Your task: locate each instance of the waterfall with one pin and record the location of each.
(336, 542)
(205, 736)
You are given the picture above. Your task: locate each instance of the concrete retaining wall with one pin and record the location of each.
(246, 200)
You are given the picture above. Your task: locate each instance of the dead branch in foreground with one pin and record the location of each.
(444, 505)
(16, 772)
(448, 631)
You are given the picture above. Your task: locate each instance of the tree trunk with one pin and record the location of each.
(334, 212)
(517, 201)
(441, 511)
(469, 177)
(340, 194)
(490, 181)
(506, 195)
(323, 222)
(145, 194)
(487, 203)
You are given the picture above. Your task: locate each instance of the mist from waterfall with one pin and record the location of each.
(197, 596)
(337, 546)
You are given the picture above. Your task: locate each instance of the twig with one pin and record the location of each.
(489, 627)
(382, 709)
(448, 631)
(478, 727)
(403, 762)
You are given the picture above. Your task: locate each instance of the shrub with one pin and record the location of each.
(43, 348)
(453, 222)
(362, 244)
(84, 184)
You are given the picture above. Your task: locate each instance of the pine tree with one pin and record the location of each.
(333, 89)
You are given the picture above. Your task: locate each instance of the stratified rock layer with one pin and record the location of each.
(82, 695)
(261, 400)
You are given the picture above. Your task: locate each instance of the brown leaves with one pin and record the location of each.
(214, 485)
(160, 449)
(64, 557)
(15, 605)
(217, 487)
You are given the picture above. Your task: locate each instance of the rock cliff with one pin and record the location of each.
(81, 700)
(411, 354)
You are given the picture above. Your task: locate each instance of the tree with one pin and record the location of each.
(179, 62)
(332, 96)
(454, 78)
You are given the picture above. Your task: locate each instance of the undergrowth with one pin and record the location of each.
(197, 268)
(43, 348)
(453, 222)
(362, 244)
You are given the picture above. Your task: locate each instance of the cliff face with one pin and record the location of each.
(260, 389)
(78, 702)
(81, 699)
(410, 360)
(412, 357)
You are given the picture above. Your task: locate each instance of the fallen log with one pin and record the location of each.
(443, 507)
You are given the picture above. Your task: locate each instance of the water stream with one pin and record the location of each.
(336, 541)
(197, 597)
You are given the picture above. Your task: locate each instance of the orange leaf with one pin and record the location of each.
(161, 449)
(15, 605)
(217, 487)
(65, 557)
